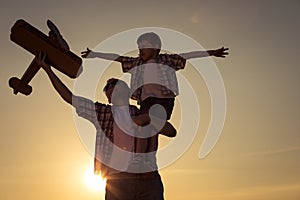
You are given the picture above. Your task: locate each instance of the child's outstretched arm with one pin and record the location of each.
(92, 54)
(221, 52)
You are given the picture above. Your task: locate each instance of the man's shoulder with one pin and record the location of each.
(102, 105)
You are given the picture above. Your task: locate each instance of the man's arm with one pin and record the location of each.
(221, 52)
(92, 54)
(62, 90)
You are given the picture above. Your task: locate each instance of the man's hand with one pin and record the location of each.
(40, 60)
(87, 53)
(219, 52)
(59, 86)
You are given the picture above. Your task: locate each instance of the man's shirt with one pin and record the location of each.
(109, 134)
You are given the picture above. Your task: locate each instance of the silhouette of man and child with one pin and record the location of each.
(127, 136)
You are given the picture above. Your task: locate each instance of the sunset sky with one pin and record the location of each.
(257, 156)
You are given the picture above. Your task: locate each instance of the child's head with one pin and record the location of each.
(149, 41)
(116, 91)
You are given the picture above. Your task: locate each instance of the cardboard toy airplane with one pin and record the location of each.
(58, 54)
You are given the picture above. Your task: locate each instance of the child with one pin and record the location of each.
(153, 79)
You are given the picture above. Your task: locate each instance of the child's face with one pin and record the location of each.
(147, 50)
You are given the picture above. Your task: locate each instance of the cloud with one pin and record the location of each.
(274, 151)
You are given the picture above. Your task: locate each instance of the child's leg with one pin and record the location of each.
(141, 139)
(167, 129)
(159, 123)
(141, 145)
(142, 119)
(152, 143)
(159, 117)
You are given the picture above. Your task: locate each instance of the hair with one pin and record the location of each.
(151, 37)
(112, 82)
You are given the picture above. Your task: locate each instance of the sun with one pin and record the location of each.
(95, 182)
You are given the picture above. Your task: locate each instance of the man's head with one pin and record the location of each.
(116, 91)
(149, 45)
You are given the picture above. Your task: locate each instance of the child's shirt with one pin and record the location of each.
(161, 72)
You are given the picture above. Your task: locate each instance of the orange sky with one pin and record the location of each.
(257, 155)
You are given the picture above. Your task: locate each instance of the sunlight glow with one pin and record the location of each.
(95, 182)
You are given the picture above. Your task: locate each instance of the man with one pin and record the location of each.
(115, 142)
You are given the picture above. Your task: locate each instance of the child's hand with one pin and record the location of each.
(87, 53)
(220, 52)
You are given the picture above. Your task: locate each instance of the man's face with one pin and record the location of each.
(147, 50)
(108, 93)
(117, 95)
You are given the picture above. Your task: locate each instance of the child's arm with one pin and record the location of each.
(221, 52)
(92, 54)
